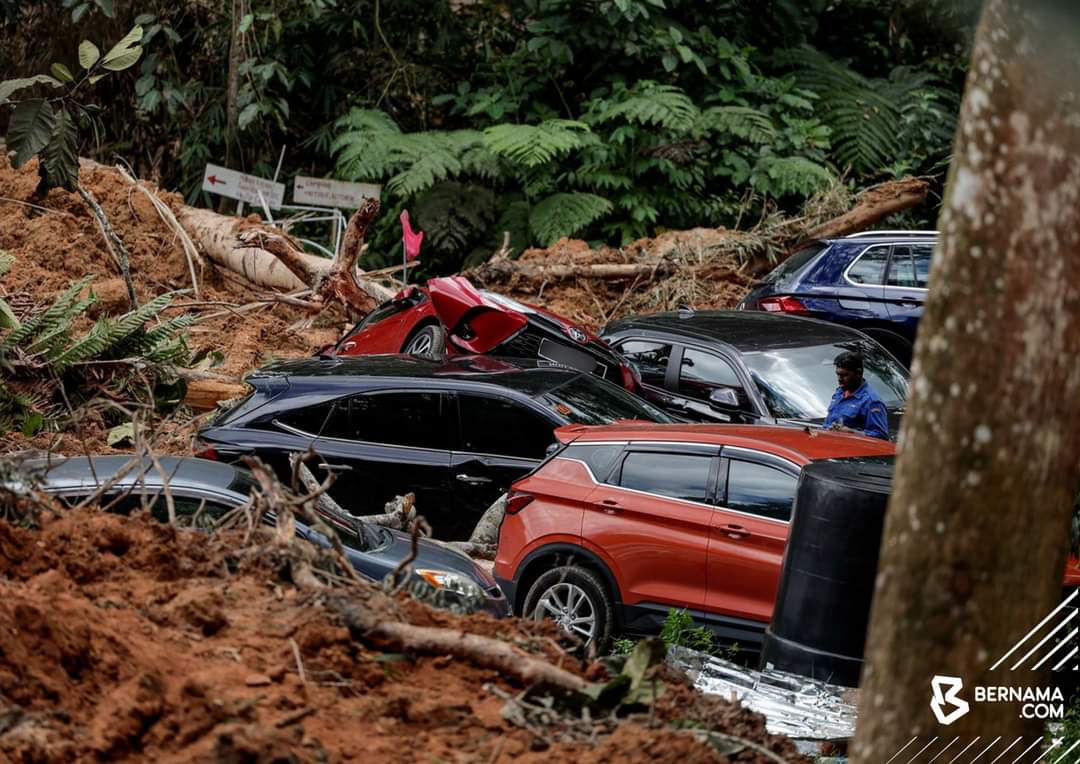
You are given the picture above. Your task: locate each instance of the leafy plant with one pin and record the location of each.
(48, 126)
(679, 631)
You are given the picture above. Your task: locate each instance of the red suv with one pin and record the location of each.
(626, 521)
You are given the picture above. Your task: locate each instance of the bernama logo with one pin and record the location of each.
(1035, 702)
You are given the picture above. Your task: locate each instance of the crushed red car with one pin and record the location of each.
(452, 316)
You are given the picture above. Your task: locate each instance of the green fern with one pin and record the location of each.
(562, 215)
(780, 176)
(650, 103)
(56, 316)
(741, 121)
(106, 339)
(455, 215)
(534, 145)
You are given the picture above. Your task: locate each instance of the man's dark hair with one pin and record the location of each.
(849, 360)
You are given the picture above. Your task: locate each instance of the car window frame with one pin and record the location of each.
(457, 441)
(884, 271)
(614, 477)
(757, 405)
(762, 458)
(618, 343)
(915, 270)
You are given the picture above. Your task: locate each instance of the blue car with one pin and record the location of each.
(875, 282)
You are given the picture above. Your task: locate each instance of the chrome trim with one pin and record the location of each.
(782, 459)
(303, 434)
(866, 234)
(860, 256)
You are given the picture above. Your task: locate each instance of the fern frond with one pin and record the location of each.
(650, 103)
(455, 215)
(562, 215)
(741, 121)
(53, 320)
(6, 261)
(790, 175)
(105, 339)
(535, 145)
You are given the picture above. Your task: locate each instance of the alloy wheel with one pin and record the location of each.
(569, 606)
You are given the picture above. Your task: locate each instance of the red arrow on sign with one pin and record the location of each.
(214, 180)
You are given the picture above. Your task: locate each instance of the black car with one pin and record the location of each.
(455, 432)
(216, 488)
(749, 367)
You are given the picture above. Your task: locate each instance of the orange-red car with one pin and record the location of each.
(629, 520)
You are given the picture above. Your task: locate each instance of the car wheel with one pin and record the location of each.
(429, 341)
(577, 600)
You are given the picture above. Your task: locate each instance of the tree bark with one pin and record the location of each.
(232, 87)
(977, 529)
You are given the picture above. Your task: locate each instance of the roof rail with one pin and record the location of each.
(890, 233)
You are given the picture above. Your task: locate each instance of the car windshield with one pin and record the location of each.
(586, 400)
(798, 383)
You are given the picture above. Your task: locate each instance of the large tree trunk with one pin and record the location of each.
(976, 534)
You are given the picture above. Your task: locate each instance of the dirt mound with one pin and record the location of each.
(126, 640)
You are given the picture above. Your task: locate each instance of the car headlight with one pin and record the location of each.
(452, 582)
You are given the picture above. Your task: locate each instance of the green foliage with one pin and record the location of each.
(39, 354)
(45, 127)
(679, 631)
(535, 145)
(562, 215)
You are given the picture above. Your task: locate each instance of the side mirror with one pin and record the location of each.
(723, 398)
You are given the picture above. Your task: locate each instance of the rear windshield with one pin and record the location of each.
(587, 400)
(794, 264)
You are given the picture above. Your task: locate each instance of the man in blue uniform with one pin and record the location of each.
(855, 407)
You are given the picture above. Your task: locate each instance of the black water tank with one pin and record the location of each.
(822, 609)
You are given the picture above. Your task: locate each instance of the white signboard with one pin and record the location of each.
(333, 193)
(246, 188)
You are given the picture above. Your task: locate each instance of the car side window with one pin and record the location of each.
(759, 489)
(921, 254)
(680, 476)
(600, 457)
(650, 358)
(869, 268)
(413, 419)
(503, 428)
(314, 420)
(702, 372)
(902, 271)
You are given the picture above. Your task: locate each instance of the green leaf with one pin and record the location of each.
(88, 54)
(247, 114)
(62, 73)
(79, 12)
(96, 78)
(7, 317)
(9, 87)
(126, 52)
(562, 215)
(30, 128)
(120, 433)
(61, 156)
(245, 23)
(144, 18)
(670, 62)
(106, 7)
(32, 423)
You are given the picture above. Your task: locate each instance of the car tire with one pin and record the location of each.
(568, 593)
(428, 342)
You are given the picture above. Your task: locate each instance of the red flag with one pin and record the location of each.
(411, 239)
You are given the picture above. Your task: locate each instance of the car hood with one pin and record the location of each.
(434, 555)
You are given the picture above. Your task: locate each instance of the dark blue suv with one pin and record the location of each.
(874, 281)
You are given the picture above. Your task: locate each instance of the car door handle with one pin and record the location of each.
(336, 467)
(611, 506)
(472, 480)
(734, 531)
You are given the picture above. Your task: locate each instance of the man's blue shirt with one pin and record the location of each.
(863, 410)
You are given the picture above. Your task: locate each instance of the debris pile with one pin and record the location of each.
(135, 641)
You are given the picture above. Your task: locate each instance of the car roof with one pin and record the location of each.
(746, 330)
(68, 473)
(529, 376)
(798, 444)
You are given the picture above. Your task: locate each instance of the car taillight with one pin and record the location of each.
(517, 501)
(207, 453)
(631, 380)
(783, 305)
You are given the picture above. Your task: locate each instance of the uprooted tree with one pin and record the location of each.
(975, 538)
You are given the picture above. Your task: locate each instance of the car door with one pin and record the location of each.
(905, 285)
(498, 440)
(860, 293)
(384, 444)
(651, 521)
(749, 532)
(650, 358)
(695, 375)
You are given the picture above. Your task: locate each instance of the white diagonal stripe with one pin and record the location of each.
(1044, 640)
(922, 749)
(984, 750)
(902, 749)
(957, 756)
(1041, 623)
(1060, 645)
(1067, 752)
(943, 750)
(1063, 660)
(1053, 744)
(1006, 750)
(1037, 741)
